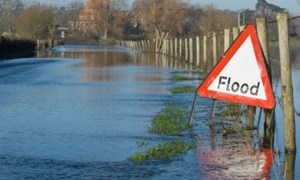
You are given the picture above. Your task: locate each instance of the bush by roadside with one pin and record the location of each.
(15, 46)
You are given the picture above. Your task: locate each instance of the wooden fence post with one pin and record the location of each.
(180, 48)
(171, 48)
(226, 39)
(145, 45)
(235, 32)
(251, 110)
(289, 165)
(167, 47)
(197, 51)
(215, 49)
(186, 49)
(191, 51)
(241, 28)
(176, 47)
(269, 120)
(205, 53)
(138, 44)
(286, 83)
(38, 44)
(149, 45)
(164, 47)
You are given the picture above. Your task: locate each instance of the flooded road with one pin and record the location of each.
(80, 116)
(79, 112)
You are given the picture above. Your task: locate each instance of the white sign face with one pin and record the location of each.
(242, 75)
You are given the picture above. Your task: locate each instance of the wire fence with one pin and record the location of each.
(204, 52)
(233, 135)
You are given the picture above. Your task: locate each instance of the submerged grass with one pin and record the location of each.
(181, 78)
(163, 151)
(187, 72)
(170, 121)
(183, 89)
(176, 77)
(237, 131)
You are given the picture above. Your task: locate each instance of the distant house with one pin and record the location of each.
(89, 21)
(87, 18)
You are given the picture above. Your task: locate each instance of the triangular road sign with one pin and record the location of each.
(241, 75)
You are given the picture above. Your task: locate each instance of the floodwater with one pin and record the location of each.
(80, 112)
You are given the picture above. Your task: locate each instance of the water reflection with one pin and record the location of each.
(275, 60)
(238, 163)
(99, 62)
(97, 56)
(234, 157)
(289, 165)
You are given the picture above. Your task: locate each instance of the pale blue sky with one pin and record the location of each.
(293, 6)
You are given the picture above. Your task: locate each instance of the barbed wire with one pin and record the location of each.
(297, 113)
(295, 17)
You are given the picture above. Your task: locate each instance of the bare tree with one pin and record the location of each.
(216, 20)
(35, 21)
(71, 15)
(161, 18)
(107, 15)
(9, 10)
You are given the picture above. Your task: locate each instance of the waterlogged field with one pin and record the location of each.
(88, 112)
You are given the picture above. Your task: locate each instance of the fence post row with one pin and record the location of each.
(186, 48)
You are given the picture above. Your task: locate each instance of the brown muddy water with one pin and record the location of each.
(80, 112)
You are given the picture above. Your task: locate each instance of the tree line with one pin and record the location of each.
(96, 20)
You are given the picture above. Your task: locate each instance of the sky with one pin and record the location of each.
(293, 6)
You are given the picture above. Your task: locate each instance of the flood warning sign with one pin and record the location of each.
(241, 75)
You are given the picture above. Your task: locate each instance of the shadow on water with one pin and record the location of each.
(289, 165)
(18, 55)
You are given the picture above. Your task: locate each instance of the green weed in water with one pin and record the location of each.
(170, 121)
(163, 151)
(183, 89)
(181, 78)
(187, 72)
